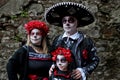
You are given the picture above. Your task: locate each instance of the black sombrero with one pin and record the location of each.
(55, 13)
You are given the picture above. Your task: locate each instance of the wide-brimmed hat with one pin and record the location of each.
(55, 13)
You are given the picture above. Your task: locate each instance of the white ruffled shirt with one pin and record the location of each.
(74, 36)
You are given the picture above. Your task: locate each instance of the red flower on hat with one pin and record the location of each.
(36, 24)
(62, 51)
(85, 54)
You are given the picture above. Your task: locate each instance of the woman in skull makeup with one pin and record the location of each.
(64, 64)
(32, 61)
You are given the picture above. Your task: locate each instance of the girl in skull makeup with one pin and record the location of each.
(32, 61)
(64, 64)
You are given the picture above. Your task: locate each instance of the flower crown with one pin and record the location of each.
(36, 24)
(62, 51)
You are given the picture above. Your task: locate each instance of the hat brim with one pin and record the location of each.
(55, 13)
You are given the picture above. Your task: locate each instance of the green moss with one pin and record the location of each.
(18, 37)
(21, 14)
(24, 14)
(13, 17)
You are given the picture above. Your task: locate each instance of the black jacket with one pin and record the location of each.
(83, 50)
(19, 58)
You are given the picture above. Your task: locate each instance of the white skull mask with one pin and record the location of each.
(69, 24)
(36, 37)
(61, 63)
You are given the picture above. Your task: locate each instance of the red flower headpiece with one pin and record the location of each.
(62, 51)
(36, 24)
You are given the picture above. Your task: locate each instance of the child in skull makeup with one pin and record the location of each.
(64, 64)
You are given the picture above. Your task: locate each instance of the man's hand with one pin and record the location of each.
(51, 69)
(76, 74)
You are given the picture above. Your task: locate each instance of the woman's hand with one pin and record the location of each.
(51, 69)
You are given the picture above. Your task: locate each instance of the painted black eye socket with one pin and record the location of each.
(70, 20)
(63, 60)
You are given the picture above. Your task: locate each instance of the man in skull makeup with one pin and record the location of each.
(70, 16)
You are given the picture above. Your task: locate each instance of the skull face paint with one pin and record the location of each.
(61, 63)
(35, 37)
(69, 24)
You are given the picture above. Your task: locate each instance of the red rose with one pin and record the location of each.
(62, 51)
(45, 79)
(36, 24)
(85, 54)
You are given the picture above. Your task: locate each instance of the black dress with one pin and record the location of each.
(26, 63)
(60, 75)
(39, 64)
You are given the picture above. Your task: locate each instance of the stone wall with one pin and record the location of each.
(104, 31)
